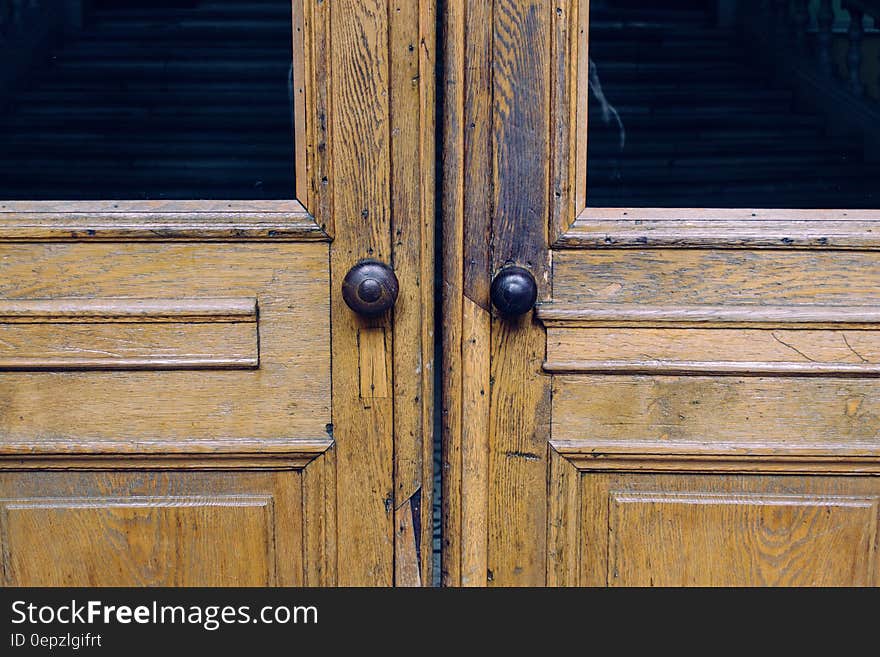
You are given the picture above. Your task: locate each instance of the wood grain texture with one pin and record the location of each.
(728, 316)
(236, 549)
(700, 277)
(151, 529)
(722, 228)
(128, 334)
(744, 457)
(286, 397)
(775, 411)
(451, 93)
(781, 352)
(496, 211)
(373, 174)
(317, 95)
(362, 72)
(564, 522)
(360, 182)
(569, 92)
(373, 365)
(520, 401)
(475, 483)
(477, 148)
(720, 539)
(165, 346)
(157, 221)
(716, 530)
(412, 43)
(319, 520)
(427, 254)
(467, 210)
(302, 78)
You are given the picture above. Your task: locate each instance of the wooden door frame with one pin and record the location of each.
(364, 83)
(513, 190)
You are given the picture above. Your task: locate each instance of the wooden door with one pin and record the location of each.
(186, 397)
(693, 400)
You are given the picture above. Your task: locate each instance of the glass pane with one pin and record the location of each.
(176, 99)
(733, 103)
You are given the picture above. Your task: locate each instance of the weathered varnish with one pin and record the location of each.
(693, 400)
(186, 399)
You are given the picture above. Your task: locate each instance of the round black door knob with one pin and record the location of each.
(514, 291)
(370, 288)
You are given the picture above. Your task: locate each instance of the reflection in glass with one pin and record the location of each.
(136, 99)
(733, 103)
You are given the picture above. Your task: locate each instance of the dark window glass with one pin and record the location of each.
(176, 99)
(733, 104)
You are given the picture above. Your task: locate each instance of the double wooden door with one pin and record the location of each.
(191, 394)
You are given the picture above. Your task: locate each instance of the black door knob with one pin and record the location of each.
(370, 288)
(514, 291)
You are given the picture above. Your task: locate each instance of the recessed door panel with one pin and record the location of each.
(158, 529)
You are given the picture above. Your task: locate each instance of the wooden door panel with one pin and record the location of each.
(182, 382)
(702, 379)
(688, 529)
(183, 389)
(712, 539)
(151, 307)
(756, 410)
(128, 334)
(750, 390)
(163, 529)
(697, 277)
